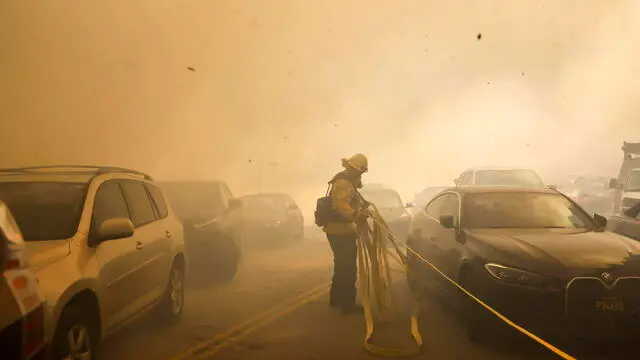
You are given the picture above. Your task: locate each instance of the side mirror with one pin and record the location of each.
(114, 229)
(613, 184)
(456, 181)
(600, 221)
(235, 204)
(408, 205)
(447, 221)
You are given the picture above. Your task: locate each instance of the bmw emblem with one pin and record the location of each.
(606, 276)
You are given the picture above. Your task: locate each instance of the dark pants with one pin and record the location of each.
(343, 284)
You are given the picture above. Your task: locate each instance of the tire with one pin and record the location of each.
(228, 258)
(479, 323)
(76, 319)
(171, 306)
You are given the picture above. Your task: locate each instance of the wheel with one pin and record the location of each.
(172, 304)
(478, 321)
(228, 257)
(77, 334)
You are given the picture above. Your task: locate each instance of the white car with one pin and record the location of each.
(105, 246)
(500, 176)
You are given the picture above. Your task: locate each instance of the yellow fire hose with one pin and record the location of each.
(375, 281)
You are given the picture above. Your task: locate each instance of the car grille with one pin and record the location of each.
(600, 306)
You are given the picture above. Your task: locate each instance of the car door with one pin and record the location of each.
(446, 243)
(163, 243)
(424, 227)
(628, 224)
(149, 257)
(119, 277)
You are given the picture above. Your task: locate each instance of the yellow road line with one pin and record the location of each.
(222, 337)
(259, 325)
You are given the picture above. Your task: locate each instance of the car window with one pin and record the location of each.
(158, 200)
(224, 196)
(109, 204)
(633, 181)
(450, 205)
(522, 210)
(138, 202)
(433, 208)
(45, 210)
(508, 177)
(383, 199)
(465, 178)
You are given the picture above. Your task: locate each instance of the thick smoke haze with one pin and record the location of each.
(269, 95)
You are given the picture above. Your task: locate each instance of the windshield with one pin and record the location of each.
(44, 210)
(590, 185)
(194, 200)
(522, 210)
(383, 198)
(508, 177)
(633, 182)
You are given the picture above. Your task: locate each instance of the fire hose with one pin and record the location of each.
(375, 282)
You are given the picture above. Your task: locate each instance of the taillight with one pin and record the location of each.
(13, 264)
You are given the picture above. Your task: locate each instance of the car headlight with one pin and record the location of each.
(516, 276)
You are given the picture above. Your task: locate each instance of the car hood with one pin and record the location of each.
(569, 251)
(43, 253)
(632, 194)
(265, 217)
(391, 214)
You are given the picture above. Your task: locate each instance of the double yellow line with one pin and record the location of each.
(210, 347)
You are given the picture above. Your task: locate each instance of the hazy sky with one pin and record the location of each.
(282, 89)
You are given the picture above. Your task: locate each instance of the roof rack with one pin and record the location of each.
(77, 169)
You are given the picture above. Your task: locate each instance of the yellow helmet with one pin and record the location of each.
(358, 162)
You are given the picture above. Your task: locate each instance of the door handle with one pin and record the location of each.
(139, 245)
(168, 233)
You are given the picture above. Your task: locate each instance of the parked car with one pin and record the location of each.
(500, 176)
(627, 185)
(422, 199)
(271, 217)
(22, 315)
(104, 245)
(212, 223)
(391, 208)
(627, 223)
(533, 255)
(592, 193)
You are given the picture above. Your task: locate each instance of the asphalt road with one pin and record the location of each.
(277, 308)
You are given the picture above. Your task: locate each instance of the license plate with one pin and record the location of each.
(610, 305)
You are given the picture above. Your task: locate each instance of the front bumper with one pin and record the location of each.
(569, 310)
(271, 232)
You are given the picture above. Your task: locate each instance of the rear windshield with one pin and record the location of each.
(383, 198)
(264, 202)
(508, 177)
(194, 200)
(45, 210)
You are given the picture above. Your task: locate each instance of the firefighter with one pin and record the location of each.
(341, 232)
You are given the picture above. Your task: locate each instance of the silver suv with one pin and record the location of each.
(105, 246)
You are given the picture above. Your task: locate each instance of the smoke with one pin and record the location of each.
(270, 95)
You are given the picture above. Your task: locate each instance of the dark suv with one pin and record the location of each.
(211, 223)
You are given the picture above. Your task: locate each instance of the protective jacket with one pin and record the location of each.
(346, 202)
